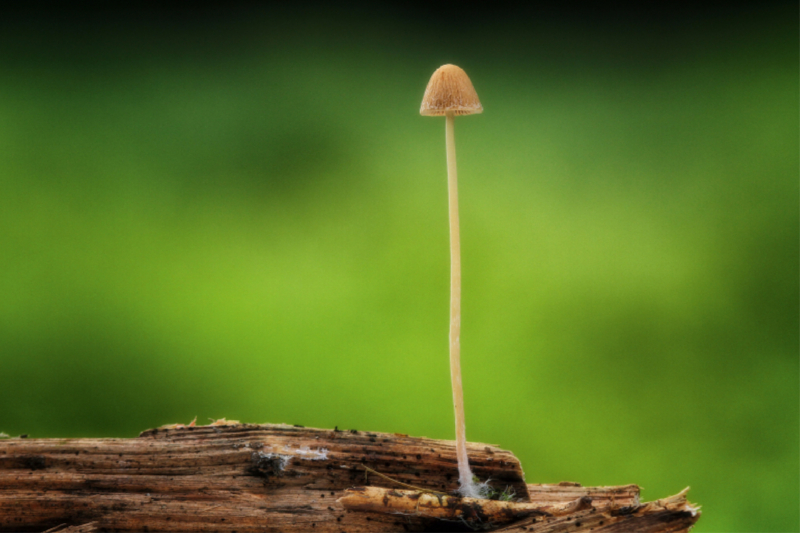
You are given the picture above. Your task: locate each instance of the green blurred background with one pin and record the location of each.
(238, 212)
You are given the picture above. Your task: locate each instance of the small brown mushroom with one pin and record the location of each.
(450, 93)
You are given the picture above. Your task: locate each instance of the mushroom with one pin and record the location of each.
(450, 93)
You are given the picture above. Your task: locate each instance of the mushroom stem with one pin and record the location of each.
(464, 472)
(450, 93)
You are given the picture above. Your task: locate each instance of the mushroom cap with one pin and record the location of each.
(450, 90)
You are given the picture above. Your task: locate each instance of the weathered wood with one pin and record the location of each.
(606, 513)
(476, 513)
(250, 478)
(623, 495)
(226, 478)
(669, 515)
(91, 527)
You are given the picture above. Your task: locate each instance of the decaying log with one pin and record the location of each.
(225, 478)
(254, 478)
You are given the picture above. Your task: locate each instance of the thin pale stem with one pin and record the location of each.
(464, 473)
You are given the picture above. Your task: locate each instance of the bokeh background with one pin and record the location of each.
(237, 211)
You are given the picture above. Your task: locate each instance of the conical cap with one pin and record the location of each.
(450, 90)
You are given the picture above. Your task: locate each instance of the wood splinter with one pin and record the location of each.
(674, 514)
(668, 515)
(452, 508)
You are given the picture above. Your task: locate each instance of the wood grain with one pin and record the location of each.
(226, 478)
(260, 478)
